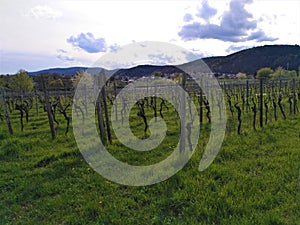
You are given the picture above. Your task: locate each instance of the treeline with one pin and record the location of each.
(22, 82)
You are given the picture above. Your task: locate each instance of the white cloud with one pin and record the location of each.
(88, 42)
(39, 28)
(237, 25)
(44, 12)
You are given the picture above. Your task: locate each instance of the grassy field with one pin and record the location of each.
(253, 180)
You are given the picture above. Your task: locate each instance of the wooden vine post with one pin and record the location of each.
(141, 113)
(104, 96)
(261, 112)
(274, 107)
(2, 95)
(247, 95)
(115, 94)
(182, 114)
(100, 116)
(266, 111)
(36, 103)
(49, 111)
(100, 120)
(201, 107)
(254, 110)
(294, 97)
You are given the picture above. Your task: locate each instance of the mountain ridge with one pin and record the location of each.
(247, 61)
(252, 59)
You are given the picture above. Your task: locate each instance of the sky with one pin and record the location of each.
(38, 34)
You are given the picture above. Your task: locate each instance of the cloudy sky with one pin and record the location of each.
(39, 34)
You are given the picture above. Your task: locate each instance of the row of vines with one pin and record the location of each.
(250, 105)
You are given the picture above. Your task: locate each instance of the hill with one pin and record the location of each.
(61, 71)
(147, 70)
(250, 60)
(138, 71)
(246, 61)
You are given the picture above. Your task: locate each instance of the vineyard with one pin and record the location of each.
(250, 104)
(254, 179)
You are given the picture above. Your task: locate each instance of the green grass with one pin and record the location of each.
(252, 180)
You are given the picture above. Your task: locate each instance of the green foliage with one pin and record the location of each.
(88, 78)
(157, 74)
(292, 73)
(177, 78)
(2, 81)
(55, 80)
(253, 180)
(280, 73)
(241, 75)
(21, 82)
(264, 73)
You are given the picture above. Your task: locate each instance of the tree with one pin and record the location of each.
(292, 73)
(280, 72)
(177, 78)
(157, 74)
(55, 81)
(67, 81)
(241, 76)
(2, 81)
(21, 82)
(88, 79)
(264, 73)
